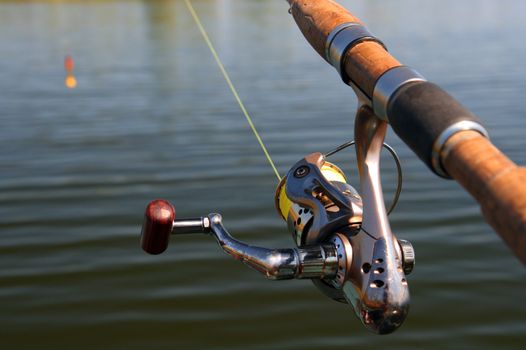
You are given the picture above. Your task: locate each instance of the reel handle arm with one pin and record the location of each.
(317, 261)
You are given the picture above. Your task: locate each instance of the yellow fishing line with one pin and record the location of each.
(229, 82)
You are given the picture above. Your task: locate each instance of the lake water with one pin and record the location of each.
(152, 117)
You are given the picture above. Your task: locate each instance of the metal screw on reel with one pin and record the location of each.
(301, 171)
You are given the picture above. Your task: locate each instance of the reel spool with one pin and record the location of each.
(300, 219)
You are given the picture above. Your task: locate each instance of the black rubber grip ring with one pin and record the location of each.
(419, 112)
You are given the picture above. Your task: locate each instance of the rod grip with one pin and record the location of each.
(157, 226)
(497, 184)
(420, 113)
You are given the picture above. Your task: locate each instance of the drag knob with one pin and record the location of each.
(157, 226)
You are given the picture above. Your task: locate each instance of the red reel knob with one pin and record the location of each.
(157, 226)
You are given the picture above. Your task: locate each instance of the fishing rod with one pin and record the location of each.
(444, 135)
(344, 242)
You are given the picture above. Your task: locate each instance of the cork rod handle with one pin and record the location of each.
(496, 183)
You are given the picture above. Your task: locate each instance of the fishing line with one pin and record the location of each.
(230, 84)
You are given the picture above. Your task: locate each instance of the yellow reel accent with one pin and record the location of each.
(283, 204)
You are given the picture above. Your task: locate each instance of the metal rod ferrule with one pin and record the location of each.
(342, 39)
(387, 85)
(441, 140)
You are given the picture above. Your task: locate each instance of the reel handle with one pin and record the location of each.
(159, 223)
(157, 226)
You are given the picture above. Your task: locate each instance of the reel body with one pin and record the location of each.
(343, 238)
(318, 203)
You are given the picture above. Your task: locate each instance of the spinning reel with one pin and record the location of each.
(344, 241)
